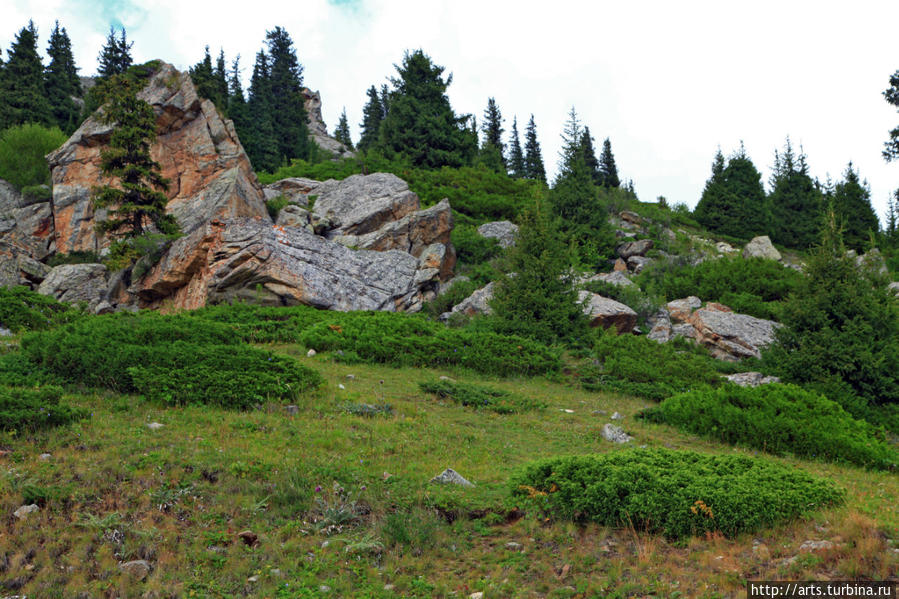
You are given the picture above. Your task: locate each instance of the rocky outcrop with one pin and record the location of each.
(634, 248)
(503, 231)
(17, 267)
(198, 151)
(25, 222)
(607, 313)
(312, 101)
(296, 190)
(362, 204)
(730, 336)
(681, 309)
(751, 379)
(761, 247)
(76, 283)
(475, 304)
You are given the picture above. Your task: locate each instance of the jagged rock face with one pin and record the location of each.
(74, 283)
(312, 102)
(17, 267)
(295, 189)
(199, 152)
(25, 223)
(362, 204)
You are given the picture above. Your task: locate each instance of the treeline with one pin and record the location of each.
(735, 203)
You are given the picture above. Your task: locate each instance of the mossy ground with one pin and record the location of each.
(178, 497)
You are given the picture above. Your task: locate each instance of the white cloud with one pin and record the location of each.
(667, 82)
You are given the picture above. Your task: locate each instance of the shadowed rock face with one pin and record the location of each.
(209, 173)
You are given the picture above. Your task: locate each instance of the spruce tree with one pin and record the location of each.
(220, 76)
(795, 201)
(420, 123)
(493, 149)
(139, 196)
(23, 98)
(891, 147)
(891, 231)
(852, 205)
(342, 133)
(288, 112)
(237, 104)
(516, 156)
(115, 56)
(533, 156)
(590, 157)
(260, 144)
(733, 201)
(61, 80)
(385, 100)
(607, 166)
(372, 115)
(204, 78)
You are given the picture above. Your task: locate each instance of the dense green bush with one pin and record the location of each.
(222, 375)
(22, 151)
(412, 340)
(263, 324)
(32, 409)
(750, 286)
(449, 298)
(16, 370)
(639, 366)
(173, 359)
(22, 309)
(777, 419)
(275, 205)
(676, 493)
(479, 396)
(472, 247)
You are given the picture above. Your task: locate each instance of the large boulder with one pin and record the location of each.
(17, 267)
(362, 204)
(730, 336)
(681, 309)
(634, 248)
(607, 313)
(198, 151)
(761, 247)
(296, 190)
(76, 283)
(26, 222)
(503, 231)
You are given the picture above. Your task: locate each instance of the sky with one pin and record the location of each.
(668, 82)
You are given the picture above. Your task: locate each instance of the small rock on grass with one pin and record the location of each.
(45, 456)
(292, 410)
(154, 426)
(617, 416)
(513, 546)
(249, 538)
(138, 568)
(351, 377)
(810, 546)
(615, 434)
(23, 511)
(311, 353)
(451, 477)
(477, 595)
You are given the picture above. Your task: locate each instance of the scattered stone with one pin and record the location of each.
(873, 261)
(253, 578)
(447, 379)
(23, 511)
(477, 595)
(761, 247)
(630, 217)
(680, 310)
(503, 231)
(724, 247)
(607, 313)
(620, 266)
(250, 538)
(154, 426)
(351, 377)
(311, 353)
(216, 549)
(616, 277)
(566, 410)
(617, 416)
(475, 304)
(513, 546)
(275, 573)
(451, 477)
(388, 587)
(324, 588)
(615, 434)
(659, 326)
(751, 379)
(45, 456)
(340, 386)
(138, 568)
(634, 248)
(636, 264)
(894, 287)
(4, 332)
(292, 410)
(812, 546)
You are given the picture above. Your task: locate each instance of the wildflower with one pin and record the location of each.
(318, 488)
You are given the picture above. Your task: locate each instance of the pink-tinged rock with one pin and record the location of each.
(607, 313)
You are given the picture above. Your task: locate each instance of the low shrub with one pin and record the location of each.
(22, 151)
(675, 493)
(777, 419)
(471, 247)
(16, 370)
(478, 396)
(262, 324)
(32, 409)
(639, 366)
(22, 309)
(222, 375)
(275, 205)
(451, 297)
(412, 340)
(368, 410)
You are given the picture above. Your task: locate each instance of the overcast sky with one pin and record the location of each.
(668, 82)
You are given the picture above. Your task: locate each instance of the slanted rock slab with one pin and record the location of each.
(451, 477)
(606, 313)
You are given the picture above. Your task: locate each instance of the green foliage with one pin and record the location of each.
(891, 146)
(777, 419)
(540, 301)
(288, 112)
(607, 167)
(61, 80)
(841, 333)
(140, 193)
(750, 286)
(472, 247)
(23, 98)
(210, 82)
(24, 310)
(275, 205)
(677, 494)
(516, 155)
(795, 201)
(172, 359)
(420, 123)
(533, 156)
(258, 136)
(639, 366)
(458, 291)
(372, 115)
(479, 396)
(115, 56)
(342, 132)
(16, 370)
(852, 205)
(733, 202)
(32, 409)
(22, 151)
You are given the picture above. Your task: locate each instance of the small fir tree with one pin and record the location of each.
(61, 80)
(115, 56)
(516, 156)
(590, 157)
(342, 133)
(288, 112)
(493, 149)
(23, 98)
(372, 115)
(607, 166)
(260, 144)
(852, 205)
(891, 147)
(795, 201)
(533, 156)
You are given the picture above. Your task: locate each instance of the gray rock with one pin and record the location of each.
(445, 287)
(634, 248)
(684, 330)
(659, 326)
(23, 511)
(812, 546)
(761, 247)
(724, 247)
(4, 332)
(317, 129)
(451, 477)
(630, 217)
(606, 313)
(45, 456)
(615, 434)
(513, 546)
(681, 309)
(751, 379)
(138, 569)
(503, 231)
(104, 307)
(873, 261)
(617, 416)
(636, 264)
(311, 353)
(292, 410)
(616, 277)
(154, 426)
(293, 216)
(730, 336)
(362, 204)
(29, 227)
(74, 283)
(295, 190)
(477, 303)
(894, 287)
